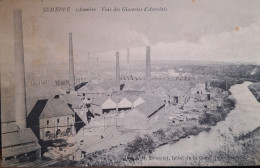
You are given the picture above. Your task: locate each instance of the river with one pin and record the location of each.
(243, 118)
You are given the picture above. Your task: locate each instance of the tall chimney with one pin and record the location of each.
(117, 71)
(97, 69)
(71, 64)
(20, 97)
(128, 62)
(89, 65)
(148, 64)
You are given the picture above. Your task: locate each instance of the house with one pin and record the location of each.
(176, 96)
(144, 115)
(56, 119)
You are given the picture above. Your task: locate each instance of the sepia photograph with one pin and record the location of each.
(90, 83)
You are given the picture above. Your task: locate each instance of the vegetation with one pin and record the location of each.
(211, 117)
(237, 150)
(255, 89)
(140, 147)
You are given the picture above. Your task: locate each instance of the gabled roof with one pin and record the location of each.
(55, 108)
(125, 103)
(150, 108)
(109, 104)
(176, 91)
(151, 105)
(99, 100)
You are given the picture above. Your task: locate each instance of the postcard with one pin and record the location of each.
(130, 83)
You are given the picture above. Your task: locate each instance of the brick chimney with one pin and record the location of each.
(20, 94)
(71, 65)
(117, 71)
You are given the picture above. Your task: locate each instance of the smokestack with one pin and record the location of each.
(128, 62)
(71, 65)
(148, 64)
(117, 71)
(20, 97)
(89, 65)
(97, 69)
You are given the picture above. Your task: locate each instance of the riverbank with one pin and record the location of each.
(255, 89)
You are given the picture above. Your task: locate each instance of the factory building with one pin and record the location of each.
(57, 119)
(145, 115)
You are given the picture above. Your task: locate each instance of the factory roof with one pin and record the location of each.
(55, 108)
(99, 100)
(151, 106)
(74, 100)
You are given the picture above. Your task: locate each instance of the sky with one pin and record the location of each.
(223, 30)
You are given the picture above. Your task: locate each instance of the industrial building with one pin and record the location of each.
(144, 115)
(57, 119)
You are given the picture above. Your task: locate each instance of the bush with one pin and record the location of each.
(139, 147)
(209, 118)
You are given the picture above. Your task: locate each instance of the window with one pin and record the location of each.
(68, 119)
(47, 134)
(47, 122)
(58, 120)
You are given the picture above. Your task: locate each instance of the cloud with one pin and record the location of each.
(240, 45)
